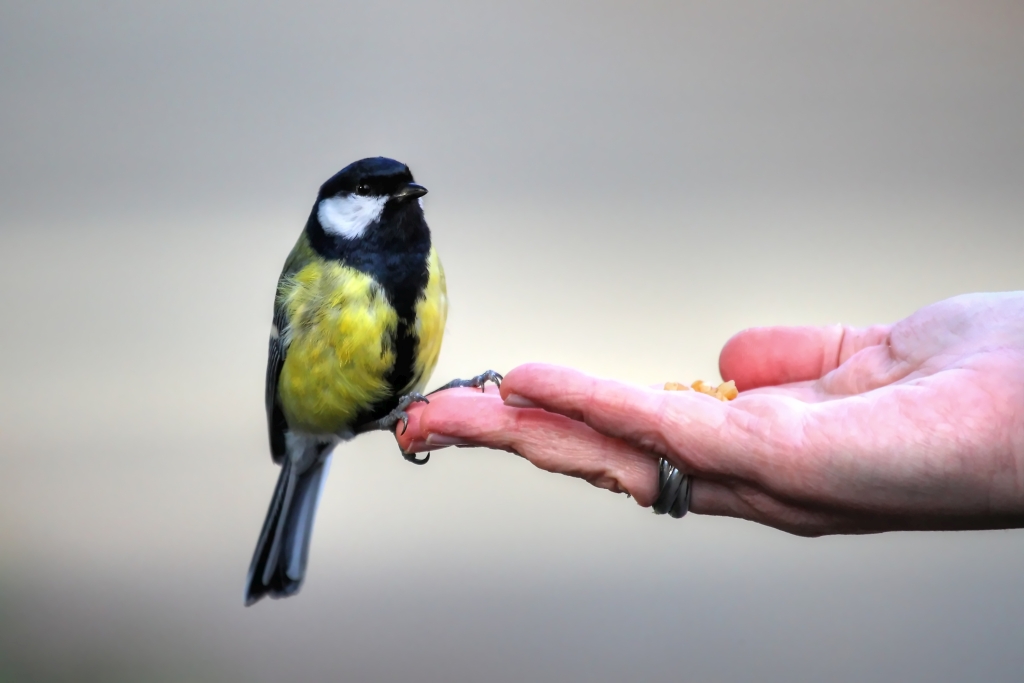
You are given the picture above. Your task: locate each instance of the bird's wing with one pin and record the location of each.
(275, 361)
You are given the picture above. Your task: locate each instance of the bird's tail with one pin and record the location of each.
(279, 563)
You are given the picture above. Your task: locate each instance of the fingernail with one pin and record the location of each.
(444, 440)
(418, 446)
(517, 401)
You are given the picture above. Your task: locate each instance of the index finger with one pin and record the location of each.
(696, 432)
(551, 442)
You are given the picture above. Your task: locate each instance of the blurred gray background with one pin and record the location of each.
(615, 186)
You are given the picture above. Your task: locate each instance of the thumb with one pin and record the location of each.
(767, 356)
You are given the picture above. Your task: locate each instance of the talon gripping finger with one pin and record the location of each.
(411, 457)
(480, 382)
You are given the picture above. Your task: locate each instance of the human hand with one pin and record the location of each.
(916, 425)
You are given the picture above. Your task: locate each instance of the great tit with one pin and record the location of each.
(358, 320)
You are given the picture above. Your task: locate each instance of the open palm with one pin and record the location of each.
(916, 425)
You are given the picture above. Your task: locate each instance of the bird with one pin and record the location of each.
(359, 316)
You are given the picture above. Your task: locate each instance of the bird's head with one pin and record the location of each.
(356, 197)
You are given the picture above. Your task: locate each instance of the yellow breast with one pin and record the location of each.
(339, 346)
(431, 314)
(339, 343)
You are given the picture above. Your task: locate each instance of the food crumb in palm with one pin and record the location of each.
(725, 391)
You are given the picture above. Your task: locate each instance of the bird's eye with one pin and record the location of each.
(363, 189)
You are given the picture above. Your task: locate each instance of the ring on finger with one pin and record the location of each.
(674, 490)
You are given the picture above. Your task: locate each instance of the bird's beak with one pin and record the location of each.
(410, 191)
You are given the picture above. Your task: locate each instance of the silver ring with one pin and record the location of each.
(673, 491)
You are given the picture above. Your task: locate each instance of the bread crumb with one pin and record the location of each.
(723, 392)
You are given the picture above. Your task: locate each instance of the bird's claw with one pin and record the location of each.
(411, 457)
(478, 382)
(397, 415)
(483, 378)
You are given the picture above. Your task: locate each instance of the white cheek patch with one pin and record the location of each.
(349, 216)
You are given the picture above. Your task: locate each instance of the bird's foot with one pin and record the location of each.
(477, 382)
(388, 422)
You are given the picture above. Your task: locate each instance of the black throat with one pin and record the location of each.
(395, 252)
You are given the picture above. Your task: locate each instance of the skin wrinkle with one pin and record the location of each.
(615, 477)
(920, 481)
(676, 417)
(659, 442)
(915, 480)
(751, 440)
(738, 499)
(794, 520)
(602, 415)
(1008, 463)
(838, 354)
(814, 478)
(785, 442)
(609, 475)
(649, 453)
(846, 485)
(652, 406)
(868, 368)
(738, 427)
(873, 336)
(798, 479)
(588, 396)
(1015, 440)
(594, 417)
(960, 423)
(748, 456)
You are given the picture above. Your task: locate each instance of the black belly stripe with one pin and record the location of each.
(395, 253)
